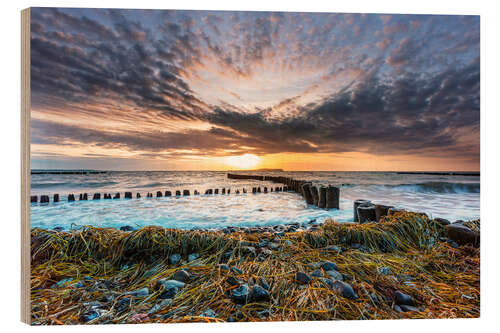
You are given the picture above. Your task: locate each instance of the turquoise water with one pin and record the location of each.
(452, 197)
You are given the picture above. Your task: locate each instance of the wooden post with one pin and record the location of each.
(71, 197)
(128, 195)
(168, 193)
(196, 192)
(306, 193)
(159, 194)
(254, 190)
(332, 197)
(216, 191)
(150, 195)
(285, 188)
(244, 190)
(186, 192)
(138, 196)
(265, 189)
(177, 193)
(84, 197)
(381, 210)
(394, 210)
(56, 198)
(117, 196)
(237, 191)
(223, 190)
(357, 203)
(258, 189)
(315, 195)
(228, 191)
(97, 196)
(366, 213)
(322, 197)
(44, 199)
(34, 198)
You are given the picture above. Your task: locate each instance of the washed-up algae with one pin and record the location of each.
(103, 275)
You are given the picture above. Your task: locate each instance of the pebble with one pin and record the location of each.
(224, 267)
(58, 229)
(157, 307)
(126, 228)
(91, 315)
(123, 304)
(193, 256)
(169, 284)
(302, 278)
(344, 289)
(384, 270)
(329, 266)
(170, 293)
(139, 293)
(403, 299)
(317, 273)
(259, 294)
(335, 275)
(249, 250)
(174, 259)
(273, 246)
(181, 275)
(209, 313)
(240, 295)
(407, 308)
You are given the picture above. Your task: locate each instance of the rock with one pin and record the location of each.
(249, 250)
(263, 314)
(334, 274)
(344, 289)
(58, 229)
(442, 221)
(317, 273)
(209, 313)
(266, 253)
(163, 304)
(403, 299)
(334, 248)
(384, 270)
(407, 308)
(169, 294)
(462, 234)
(223, 267)
(123, 304)
(231, 320)
(126, 228)
(241, 294)
(233, 281)
(139, 293)
(88, 316)
(302, 278)
(397, 308)
(181, 275)
(259, 294)
(169, 284)
(193, 256)
(174, 259)
(329, 266)
(263, 283)
(273, 246)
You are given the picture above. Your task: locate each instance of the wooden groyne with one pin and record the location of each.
(322, 197)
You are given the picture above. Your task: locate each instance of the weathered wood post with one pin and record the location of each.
(265, 189)
(306, 193)
(332, 197)
(216, 191)
(244, 190)
(138, 196)
(56, 198)
(357, 203)
(223, 190)
(44, 199)
(177, 193)
(159, 194)
(117, 196)
(237, 191)
(168, 193)
(366, 213)
(285, 188)
(315, 195)
(149, 195)
(33, 199)
(322, 197)
(71, 197)
(228, 191)
(128, 195)
(258, 189)
(186, 192)
(97, 196)
(380, 211)
(196, 192)
(254, 190)
(395, 210)
(84, 196)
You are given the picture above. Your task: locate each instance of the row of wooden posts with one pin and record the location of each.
(159, 194)
(366, 211)
(320, 196)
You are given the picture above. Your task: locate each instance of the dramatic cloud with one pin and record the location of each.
(187, 84)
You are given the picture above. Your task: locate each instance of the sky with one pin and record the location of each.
(214, 90)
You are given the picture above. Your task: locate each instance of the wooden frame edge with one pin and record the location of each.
(25, 167)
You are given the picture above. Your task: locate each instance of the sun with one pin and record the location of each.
(246, 161)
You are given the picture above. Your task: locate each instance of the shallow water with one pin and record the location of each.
(451, 197)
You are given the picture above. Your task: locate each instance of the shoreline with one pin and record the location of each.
(405, 266)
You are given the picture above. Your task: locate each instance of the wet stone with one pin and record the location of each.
(407, 308)
(259, 294)
(174, 259)
(263, 283)
(384, 270)
(403, 299)
(233, 281)
(193, 256)
(209, 313)
(302, 278)
(241, 294)
(334, 275)
(344, 289)
(329, 266)
(126, 228)
(317, 273)
(181, 275)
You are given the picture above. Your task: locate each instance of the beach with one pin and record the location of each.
(404, 266)
(399, 264)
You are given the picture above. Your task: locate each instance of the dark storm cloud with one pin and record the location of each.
(410, 84)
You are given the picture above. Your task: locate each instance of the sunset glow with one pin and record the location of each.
(191, 90)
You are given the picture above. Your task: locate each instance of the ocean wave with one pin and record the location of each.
(440, 187)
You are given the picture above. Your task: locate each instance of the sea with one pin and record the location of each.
(447, 196)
